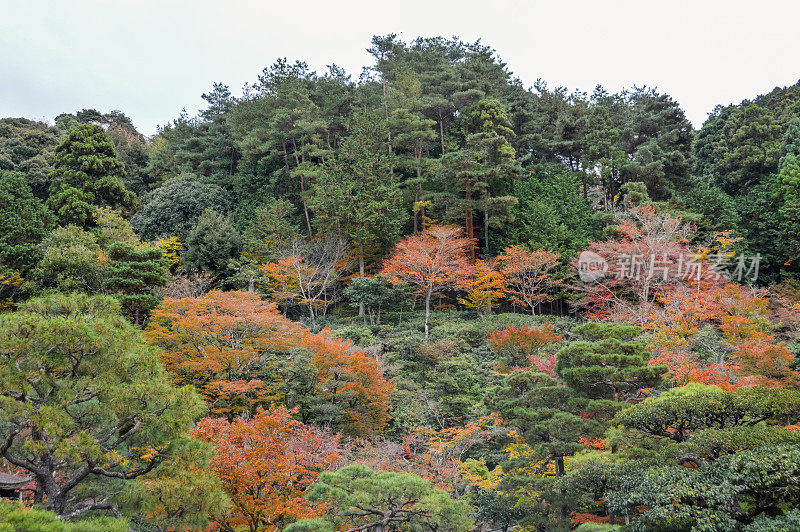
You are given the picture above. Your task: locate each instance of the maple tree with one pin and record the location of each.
(529, 275)
(267, 464)
(521, 343)
(432, 261)
(213, 342)
(648, 257)
(484, 287)
(241, 352)
(308, 274)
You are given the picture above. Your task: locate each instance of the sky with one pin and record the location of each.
(152, 58)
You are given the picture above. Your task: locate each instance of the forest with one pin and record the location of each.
(422, 297)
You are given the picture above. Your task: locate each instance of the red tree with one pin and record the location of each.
(431, 262)
(266, 466)
(529, 276)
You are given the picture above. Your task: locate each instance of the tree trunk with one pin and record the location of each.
(361, 271)
(427, 313)
(468, 220)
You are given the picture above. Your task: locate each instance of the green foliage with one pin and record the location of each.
(132, 275)
(86, 160)
(565, 226)
(174, 208)
(212, 244)
(610, 367)
(70, 261)
(85, 399)
(27, 148)
(361, 496)
(731, 492)
(17, 518)
(676, 416)
(23, 225)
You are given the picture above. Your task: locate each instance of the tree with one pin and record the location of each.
(23, 225)
(212, 244)
(528, 275)
(484, 288)
(647, 258)
(86, 161)
(357, 196)
(267, 465)
(676, 416)
(174, 208)
(308, 274)
(363, 499)
(431, 262)
(84, 399)
(27, 147)
(70, 261)
(241, 353)
(565, 226)
(133, 273)
(613, 366)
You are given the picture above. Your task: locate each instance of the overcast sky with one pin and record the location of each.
(151, 58)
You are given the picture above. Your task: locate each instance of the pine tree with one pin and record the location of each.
(132, 274)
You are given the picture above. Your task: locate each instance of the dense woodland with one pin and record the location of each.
(339, 303)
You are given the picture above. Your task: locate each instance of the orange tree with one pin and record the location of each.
(431, 262)
(529, 275)
(266, 466)
(240, 352)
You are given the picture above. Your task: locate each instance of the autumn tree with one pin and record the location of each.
(483, 287)
(241, 353)
(431, 262)
(647, 257)
(267, 465)
(529, 275)
(308, 274)
(215, 342)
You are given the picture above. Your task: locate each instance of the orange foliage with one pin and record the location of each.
(267, 464)
(528, 275)
(520, 343)
(740, 315)
(223, 343)
(484, 287)
(431, 262)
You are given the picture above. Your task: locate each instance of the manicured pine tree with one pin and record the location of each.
(133, 273)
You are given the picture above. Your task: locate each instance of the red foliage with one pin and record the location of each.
(220, 343)
(524, 343)
(267, 464)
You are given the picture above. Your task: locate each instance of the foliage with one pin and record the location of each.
(267, 464)
(362, 498)
(85, 398)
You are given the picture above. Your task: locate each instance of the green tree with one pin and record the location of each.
(357, 196)
(27, 147)
(86, 161)
(174, 208)
(364, 499)
(23, 225)
(70, 261)
(611, 366)
(565, 226)
(212, 244)
(132, 275)
(85, 399)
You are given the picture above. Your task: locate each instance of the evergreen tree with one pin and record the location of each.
(133, 272)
